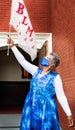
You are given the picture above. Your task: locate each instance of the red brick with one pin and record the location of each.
(38, 11)
(63, 23)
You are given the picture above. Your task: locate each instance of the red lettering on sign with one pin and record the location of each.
(21, 12)
(33, 47)
(30, 31)
(25, 39)
(20, 8)
(23, 22)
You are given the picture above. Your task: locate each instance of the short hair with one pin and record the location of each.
(56, 59)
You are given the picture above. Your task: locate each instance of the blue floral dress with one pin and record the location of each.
(40, 110)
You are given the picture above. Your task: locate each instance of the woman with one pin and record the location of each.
(40, 110)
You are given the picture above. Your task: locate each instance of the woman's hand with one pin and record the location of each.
(10, 42)
(70, 121)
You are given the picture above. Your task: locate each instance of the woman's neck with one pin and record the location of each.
(45, 70)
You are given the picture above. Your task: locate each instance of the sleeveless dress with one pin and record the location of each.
(40, 110)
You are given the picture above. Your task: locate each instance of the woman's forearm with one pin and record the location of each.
(23, 62)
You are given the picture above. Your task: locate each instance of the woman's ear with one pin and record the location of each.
(52, 67)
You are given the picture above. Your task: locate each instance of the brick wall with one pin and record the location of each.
(63, 29)
(38, 11)
(4, 15)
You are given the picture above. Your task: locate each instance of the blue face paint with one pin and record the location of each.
(44, 61)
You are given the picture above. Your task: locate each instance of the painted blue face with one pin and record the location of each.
(44, 61)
